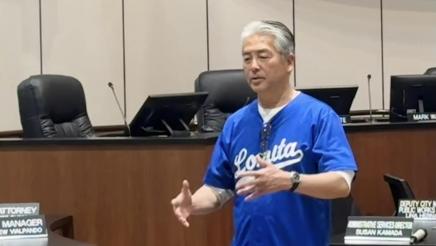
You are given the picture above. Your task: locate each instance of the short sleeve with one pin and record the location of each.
(219, 172)
(331, 145)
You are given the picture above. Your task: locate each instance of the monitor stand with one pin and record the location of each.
(421, 105)
(168, 131)
(177, 133)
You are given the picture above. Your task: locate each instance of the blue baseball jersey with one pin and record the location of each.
(306, 136)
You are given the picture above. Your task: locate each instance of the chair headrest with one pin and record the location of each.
(430, 71)
(59, 97)
(228, 89)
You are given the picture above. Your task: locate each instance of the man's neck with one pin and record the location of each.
(274, 100)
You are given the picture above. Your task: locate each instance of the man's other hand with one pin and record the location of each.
(182, 204)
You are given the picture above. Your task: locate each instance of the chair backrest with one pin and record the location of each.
(341, 208)
(53, 106)
(400, 189)
(430, 71)
(228, 91)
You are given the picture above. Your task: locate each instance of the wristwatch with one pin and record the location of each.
(295, 179)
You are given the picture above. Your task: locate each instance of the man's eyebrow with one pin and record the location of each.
(263, 51)
(255, 51)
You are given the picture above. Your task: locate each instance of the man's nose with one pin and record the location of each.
(254, 64)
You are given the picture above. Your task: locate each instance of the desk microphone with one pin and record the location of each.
(418, 235)
(369, 97)
(111, 85)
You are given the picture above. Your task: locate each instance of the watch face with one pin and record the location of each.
(296, 177)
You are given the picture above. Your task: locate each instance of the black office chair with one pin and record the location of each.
(53, 106)
(400, 189)
(431, 71)
(341, 208)
(228, 91)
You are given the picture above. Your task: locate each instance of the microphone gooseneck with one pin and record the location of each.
(123, 115)
(369, 97)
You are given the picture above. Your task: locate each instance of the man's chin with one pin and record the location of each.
(258, 88)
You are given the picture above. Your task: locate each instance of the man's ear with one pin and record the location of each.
(290, 59)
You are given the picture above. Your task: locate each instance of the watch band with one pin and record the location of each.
(295, 179)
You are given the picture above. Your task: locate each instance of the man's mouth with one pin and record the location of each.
(256, 79)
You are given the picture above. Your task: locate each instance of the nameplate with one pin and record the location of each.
(18, 209)
(421, 116)
(20, 227)
(417, 209)
(378, 230)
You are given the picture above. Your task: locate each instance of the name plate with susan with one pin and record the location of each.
(372, 230)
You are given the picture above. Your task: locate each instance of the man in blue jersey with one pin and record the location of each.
(281, 158)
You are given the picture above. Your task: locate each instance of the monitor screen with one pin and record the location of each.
(166, 114)
(412, 94)
(338, 98)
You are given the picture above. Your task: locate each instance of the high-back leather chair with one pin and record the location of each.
(53, 106)
(340, 210)
(400, 189)
(431, 71)
(228, 91)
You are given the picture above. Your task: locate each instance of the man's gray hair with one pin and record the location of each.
(283, 37)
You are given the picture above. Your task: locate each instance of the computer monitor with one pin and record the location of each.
(167, 114)
(339, 98)
(413, 97)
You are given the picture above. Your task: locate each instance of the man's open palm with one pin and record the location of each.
(182, 204)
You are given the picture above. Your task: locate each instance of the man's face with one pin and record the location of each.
(264, 67)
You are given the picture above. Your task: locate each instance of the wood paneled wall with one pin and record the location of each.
(118, 195)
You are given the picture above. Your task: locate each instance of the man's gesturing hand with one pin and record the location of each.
(266, 180)
(182, 204)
